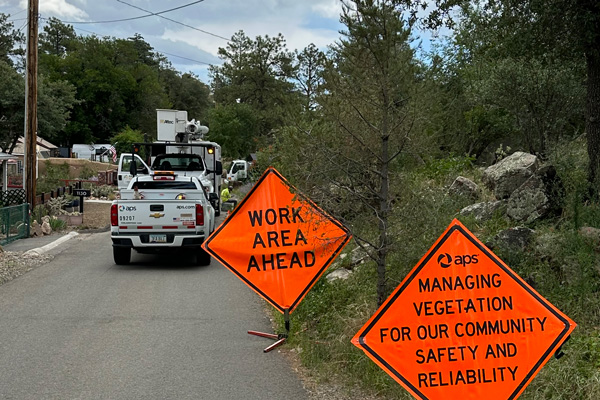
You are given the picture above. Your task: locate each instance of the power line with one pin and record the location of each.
(172, 20)
(132, 18)
(172, 9)
(185, 58)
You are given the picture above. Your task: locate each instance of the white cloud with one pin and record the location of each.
(300, 23)
(328, 8)
(60, 9)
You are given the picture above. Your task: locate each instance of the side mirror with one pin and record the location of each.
(218, 169)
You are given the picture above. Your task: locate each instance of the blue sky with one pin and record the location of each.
(301, 22)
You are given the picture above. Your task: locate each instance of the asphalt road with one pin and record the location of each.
(81, 327)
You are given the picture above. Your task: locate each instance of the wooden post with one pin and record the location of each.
(30, 144)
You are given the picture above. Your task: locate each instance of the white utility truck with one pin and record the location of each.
(239, 171)
(162, 211)
(179, 147)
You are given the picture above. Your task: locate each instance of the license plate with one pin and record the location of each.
(158, 238)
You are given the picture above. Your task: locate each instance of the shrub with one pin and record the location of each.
(87, 172)
(57, 224)
(55, 174)
(56, 205)
(103, 191)
(38, 212)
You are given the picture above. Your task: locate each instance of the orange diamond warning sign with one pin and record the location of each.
(463, 325)
(277, 241)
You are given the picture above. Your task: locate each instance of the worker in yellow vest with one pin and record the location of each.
(226, 194)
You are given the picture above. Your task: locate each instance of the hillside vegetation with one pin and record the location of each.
(560, 263)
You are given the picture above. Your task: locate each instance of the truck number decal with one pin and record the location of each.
(126, 218)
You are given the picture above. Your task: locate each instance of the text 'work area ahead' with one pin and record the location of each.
(463, 325)
(277, 241)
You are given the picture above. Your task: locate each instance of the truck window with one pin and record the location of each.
(165, 185)
(126, 165)
(178, 162)
(237, 167)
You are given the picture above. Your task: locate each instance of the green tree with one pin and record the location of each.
(125, 138)
(56, 99)
(56, 38)
(186, 92)
(117, 85)
(350, 154)
(530, 99)
(9, 39)
(308, 75)
(256, 72)
(234, 127)
(12, 104)
(563, 30)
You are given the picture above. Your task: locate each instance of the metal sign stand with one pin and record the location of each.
(280, 338)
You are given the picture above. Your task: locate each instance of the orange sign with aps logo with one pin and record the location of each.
(463, 325)
(277, 241)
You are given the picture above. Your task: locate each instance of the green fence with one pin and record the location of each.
(14, 223)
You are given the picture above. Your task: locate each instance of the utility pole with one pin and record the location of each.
(31, 86)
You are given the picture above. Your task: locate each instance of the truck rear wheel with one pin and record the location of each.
(122, 255)
(202, 257)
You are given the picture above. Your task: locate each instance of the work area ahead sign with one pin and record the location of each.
(463, 325)
(277, 241)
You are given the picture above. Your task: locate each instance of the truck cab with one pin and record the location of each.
(184, 164)
(239, 171)
(124, 175)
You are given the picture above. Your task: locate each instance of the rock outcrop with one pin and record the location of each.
(508, 174)
(464, 187)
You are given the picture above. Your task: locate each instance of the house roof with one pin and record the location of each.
(40, 142)
(5, 156)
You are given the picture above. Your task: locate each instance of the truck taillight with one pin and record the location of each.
(114, 215)
(199, 215)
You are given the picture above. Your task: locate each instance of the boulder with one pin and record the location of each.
(590, 234)
(540, 196)
(513, 238)
(338, 274)
(46, 229)
(36, 229)
(484, 211)
(464, 187)
(510, 173)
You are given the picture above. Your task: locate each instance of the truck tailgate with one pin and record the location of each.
(156, 215)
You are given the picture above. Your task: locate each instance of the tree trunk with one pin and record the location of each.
(592, 125)
(384, 194)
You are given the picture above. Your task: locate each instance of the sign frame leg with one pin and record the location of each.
(280, 338)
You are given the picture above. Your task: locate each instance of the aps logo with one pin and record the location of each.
(445, 260)
(126, 208)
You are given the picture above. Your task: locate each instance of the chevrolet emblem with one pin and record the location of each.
(157, 215)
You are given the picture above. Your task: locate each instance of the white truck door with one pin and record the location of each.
(124, 174)
(238, 171)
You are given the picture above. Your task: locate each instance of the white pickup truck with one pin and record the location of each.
(159, 212)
